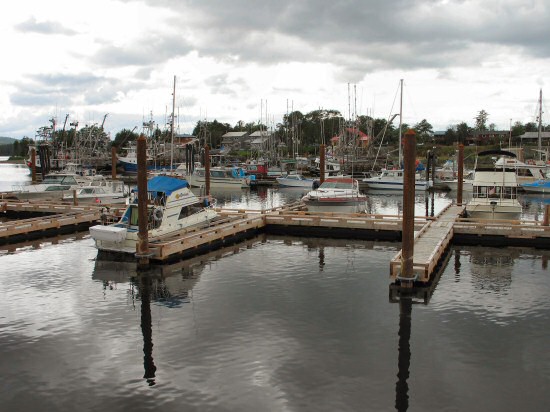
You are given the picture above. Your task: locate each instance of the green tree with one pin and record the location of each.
(481, 120)
(124, 137)
(424, 130)
(463, 131)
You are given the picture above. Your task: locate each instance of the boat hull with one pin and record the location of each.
(537, 187)
(355, 205)
(488, 211)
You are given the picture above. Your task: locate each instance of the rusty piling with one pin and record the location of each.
(142, 252)
(322, 163)
(207, 170)
(113, 162)
(460, 175)
(407, 242)
(33, 164)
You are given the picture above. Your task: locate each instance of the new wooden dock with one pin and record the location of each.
(430, 243)
(433, 235)
(49, 219)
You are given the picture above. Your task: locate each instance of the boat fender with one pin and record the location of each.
(205, 202)
(157, 214)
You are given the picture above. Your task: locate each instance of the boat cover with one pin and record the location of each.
(166, 184)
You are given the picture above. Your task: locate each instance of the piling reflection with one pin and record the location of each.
(169, 285)
(145, 283)
(406, 298)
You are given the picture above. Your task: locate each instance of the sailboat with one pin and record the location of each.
(392, 179)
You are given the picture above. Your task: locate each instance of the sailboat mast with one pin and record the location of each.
(400, 122)
(540, 126)
(172, 126)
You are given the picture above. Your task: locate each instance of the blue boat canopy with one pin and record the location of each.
(165, 184)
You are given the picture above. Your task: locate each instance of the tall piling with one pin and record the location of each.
(33, 164)
(142, 252)
(113, 162)
(546, 221)
(460, 175)
(407, 242)
(322, 163)
(207, 170)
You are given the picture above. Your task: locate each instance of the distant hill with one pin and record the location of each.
(6, 140)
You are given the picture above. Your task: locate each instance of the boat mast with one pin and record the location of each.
(400, 123)
(540, 125)
(172, 127)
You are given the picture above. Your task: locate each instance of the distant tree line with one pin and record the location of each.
(307, 131)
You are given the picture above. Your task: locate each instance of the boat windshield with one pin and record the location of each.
(335, 185)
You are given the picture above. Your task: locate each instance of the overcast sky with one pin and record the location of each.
(233, 58)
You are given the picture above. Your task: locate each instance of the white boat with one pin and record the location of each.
(467, 182)
(393, 180)
(526, 172)
(336, 194)
(220, 176)
(171, 207)
(295, 180)
(54, 186)
(494, 193)
(101, 190)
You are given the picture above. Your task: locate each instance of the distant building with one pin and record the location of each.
(261, 139)
(233, 141)
(535, 135)
(351, 135)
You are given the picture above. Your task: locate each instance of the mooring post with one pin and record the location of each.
(460, 175)
(429, 167)
(33, 164)
(143, 236)
(322, 163)
(75, 198)
(546, 220)
(207, 170)
(113, 162)
(407, 242)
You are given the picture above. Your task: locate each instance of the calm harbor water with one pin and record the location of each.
(273, 324)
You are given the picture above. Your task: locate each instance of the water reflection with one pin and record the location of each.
(19, 247)
(146, 282)
(421, 294)
(169, 285)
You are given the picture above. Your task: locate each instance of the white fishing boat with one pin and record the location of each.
(295, 180)
(336, 194)
(171, 207)
(220, 176)
(494, 193)
(393, 180)
(467, 182)
(100, 190)
(54, 186)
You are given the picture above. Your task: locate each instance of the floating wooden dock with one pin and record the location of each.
(430, 243)
(433, 235)
(48, 219)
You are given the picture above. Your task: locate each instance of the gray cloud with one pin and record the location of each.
(154, 49)
(54, 89)
(363, 36)
(45, 27)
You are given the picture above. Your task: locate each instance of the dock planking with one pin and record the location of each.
(433, 235)
(430, 244)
